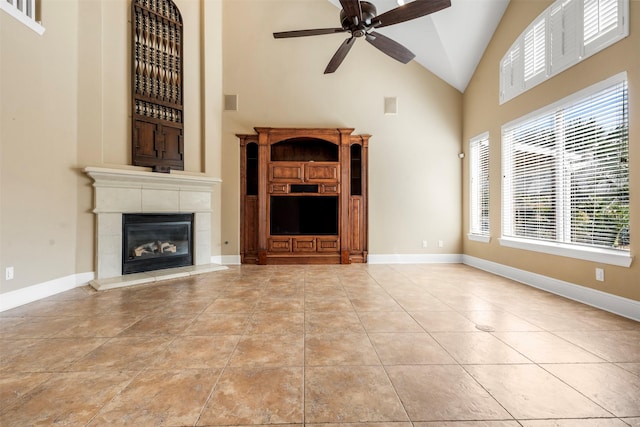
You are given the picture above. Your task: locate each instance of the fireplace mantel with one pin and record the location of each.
(119, 191)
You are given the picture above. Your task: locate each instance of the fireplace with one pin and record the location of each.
(122, 192)
(156, 241)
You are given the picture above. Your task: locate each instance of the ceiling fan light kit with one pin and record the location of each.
(360, 19)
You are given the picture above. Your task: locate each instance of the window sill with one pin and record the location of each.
(479, 238)
(604, 256)
(30, 23)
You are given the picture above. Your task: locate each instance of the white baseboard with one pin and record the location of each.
(615, 304)
(228, 259)
(33, 293)
(414, 258)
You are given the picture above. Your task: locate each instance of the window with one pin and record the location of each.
(567, 32)
(565, 46)
(479, 192)
(566, 176)
(535, 61)
(511, 73)
(601, 19)
(24, 11)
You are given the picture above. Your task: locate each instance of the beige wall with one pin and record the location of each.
(482, 113)
(414, 176)
(38, 125)
(66, 105)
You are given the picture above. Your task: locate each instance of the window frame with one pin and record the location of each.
(603, 255)
(479, 160)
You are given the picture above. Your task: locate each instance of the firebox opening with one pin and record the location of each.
(156, 241)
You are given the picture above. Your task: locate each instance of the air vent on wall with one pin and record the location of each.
(231, 103)
(391, 105)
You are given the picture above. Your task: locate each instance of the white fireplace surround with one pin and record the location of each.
(119, 191)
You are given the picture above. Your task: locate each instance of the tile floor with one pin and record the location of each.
(421, 345)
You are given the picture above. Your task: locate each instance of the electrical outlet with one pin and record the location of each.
(424, 244)
(8, 273)
(440, 244)
(600, 274)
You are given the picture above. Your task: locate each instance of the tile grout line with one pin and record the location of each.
(382, 365)
(226, 365)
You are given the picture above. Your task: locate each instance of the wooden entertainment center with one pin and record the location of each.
(303, 196)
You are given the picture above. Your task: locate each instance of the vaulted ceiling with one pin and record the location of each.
(451, 42)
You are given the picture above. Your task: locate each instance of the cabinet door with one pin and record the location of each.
(172, 148)
(144, 142)
(278, 188)
(304, 244)
(319, 172)
(173, 145)
(158, 146)
(279, 244)
(357, 224)
(328, 244)
(285, 172)
(329, 188)
(250, 230)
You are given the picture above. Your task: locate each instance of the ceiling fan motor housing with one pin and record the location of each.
(369, 12)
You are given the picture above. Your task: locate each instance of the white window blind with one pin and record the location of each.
(566, 174)
(600, 17)
(605, 22)
(534, 50)
(511, 73)
(479, 188)
(564, 39)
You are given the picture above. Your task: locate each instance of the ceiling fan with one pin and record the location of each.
(360, 19)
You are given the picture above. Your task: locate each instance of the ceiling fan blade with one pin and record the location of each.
(339, 56)
(390, 47)
(410, 11)
(304, 33)
(353, 10)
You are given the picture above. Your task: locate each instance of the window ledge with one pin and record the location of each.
(479, 238)
(604, 256)
(30, 23)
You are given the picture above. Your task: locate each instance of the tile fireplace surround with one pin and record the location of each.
(119, 191)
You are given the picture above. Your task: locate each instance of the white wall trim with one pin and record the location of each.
(228, 259)
(615, 304)
(605, 256)
(414, 258)
(33, 293)
(479, 238)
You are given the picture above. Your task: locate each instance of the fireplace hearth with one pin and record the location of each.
(156, 241)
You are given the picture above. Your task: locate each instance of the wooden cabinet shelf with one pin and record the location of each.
(303, 196)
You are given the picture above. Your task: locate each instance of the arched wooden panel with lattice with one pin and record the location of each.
(156, 80)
